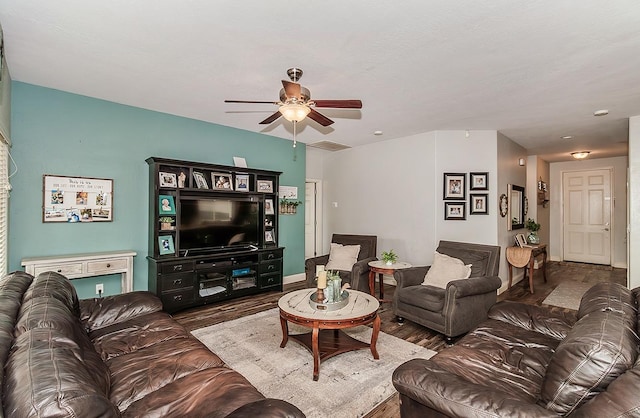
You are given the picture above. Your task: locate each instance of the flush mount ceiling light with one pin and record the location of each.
(601, 112)
(580, 155)
(567, 137)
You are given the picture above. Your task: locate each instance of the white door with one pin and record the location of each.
(587, 216)
(310, 222)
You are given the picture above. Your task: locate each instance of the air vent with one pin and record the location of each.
(328, 146)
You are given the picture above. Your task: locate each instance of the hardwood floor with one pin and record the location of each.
(557, 272)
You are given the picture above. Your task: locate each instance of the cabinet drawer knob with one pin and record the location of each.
(271, 256)
(108, 265)
(59, 270)
(271, 267)
(177, 298)
(177, 281)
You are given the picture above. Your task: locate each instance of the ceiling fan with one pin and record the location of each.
(296, 103)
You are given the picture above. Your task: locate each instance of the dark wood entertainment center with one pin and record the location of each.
(213, 232)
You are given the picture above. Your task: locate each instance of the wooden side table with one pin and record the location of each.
(381, 268)
(515, 258)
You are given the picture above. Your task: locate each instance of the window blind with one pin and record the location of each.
(4, 206)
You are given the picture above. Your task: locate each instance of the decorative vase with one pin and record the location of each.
(533, 238)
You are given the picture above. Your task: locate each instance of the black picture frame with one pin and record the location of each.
(454, 186)
(455, 211)
(478, 204)
(479, 181)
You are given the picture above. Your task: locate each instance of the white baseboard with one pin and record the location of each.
(300, 277)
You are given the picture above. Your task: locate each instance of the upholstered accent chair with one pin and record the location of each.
(358, 276)
(460, 306)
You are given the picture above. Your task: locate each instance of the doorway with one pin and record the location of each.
(312, 218)
(587, 216)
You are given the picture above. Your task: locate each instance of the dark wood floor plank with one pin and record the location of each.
(557, 273)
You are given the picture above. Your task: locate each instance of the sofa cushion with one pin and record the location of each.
(342, 257)
(599, 348)
(426, 297)
(445, 269)
(101, 312)
(53, 285)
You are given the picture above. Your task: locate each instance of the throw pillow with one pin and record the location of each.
(445, 269)
(342, 257)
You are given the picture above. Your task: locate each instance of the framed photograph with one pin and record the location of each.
(165, 245)
(478, 204)
(265, 186)
(166, 205)
(168, 179)
(76, 199)
(455, 211)
(454, 187)
(242, 182)
(268, 207)
(521, 241)
(221, 181)
(478, 181)
(201, 181)
(269, 236)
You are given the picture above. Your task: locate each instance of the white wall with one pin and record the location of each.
(314, 158)
(509, 172)
(537, 169)
(619, 214)
(633, 272)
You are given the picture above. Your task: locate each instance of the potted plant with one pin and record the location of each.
(389, 257)
(533, 228)
(289, 206)
(167, 223)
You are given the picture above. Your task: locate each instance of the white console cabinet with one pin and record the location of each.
(80, 266)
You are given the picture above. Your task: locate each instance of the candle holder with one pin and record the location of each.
(320, 294)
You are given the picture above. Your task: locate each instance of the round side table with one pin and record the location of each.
(381, 268)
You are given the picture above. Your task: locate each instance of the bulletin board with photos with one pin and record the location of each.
(77, 199)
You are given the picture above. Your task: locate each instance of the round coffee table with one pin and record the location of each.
(326, 338)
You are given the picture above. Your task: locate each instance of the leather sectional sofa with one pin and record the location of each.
(116, 356)
(532, 361)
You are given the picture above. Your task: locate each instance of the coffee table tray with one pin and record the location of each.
(313, 301)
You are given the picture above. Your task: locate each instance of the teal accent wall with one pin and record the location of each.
(60, 133)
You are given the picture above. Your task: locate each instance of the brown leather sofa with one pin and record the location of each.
(531, 361)
(358, 277)
(110, 357)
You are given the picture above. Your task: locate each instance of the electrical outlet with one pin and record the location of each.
(99, 288)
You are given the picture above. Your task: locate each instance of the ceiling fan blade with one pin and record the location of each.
(320, 118)
(291, 89)
(339, 104)
(271, 118)
(249, 101)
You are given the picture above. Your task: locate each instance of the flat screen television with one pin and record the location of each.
(210, 224)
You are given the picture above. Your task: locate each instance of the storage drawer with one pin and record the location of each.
(107, 265)
(270, 255)
(177, 298)
(178, 267)
(177, 281)
(271, 267)
(270, 280)
(64, 269)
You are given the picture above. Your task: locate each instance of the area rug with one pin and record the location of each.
(567, 295)
(350, 384)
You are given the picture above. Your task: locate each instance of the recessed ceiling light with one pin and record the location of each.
(567, 137)
(377, 132)
(601, 112)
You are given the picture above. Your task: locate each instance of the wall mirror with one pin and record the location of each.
(516, 207)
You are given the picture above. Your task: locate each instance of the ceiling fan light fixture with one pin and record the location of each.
(294, 112)
(580, 155)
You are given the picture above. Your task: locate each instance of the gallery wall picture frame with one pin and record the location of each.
(478, 204)
(521, 241)
(165, 245)
(201, 180)
(454, 186)
(221, 181)
(167, 179)
(455, 211)
(76, 199)
(265, 186)
(479, 181)
(166, 205)
(242, 182)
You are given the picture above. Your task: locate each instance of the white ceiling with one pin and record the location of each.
(533, 70)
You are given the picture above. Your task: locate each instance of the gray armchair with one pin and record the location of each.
(463, 304)
(358, 277)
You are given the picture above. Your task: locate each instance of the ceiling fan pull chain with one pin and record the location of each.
(294, 133)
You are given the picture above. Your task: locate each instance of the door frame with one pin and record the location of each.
(611, 204)
(319, 214)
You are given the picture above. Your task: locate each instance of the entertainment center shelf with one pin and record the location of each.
(212, 232)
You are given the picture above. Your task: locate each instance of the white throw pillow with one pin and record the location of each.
(445, 269)
(342, 257)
